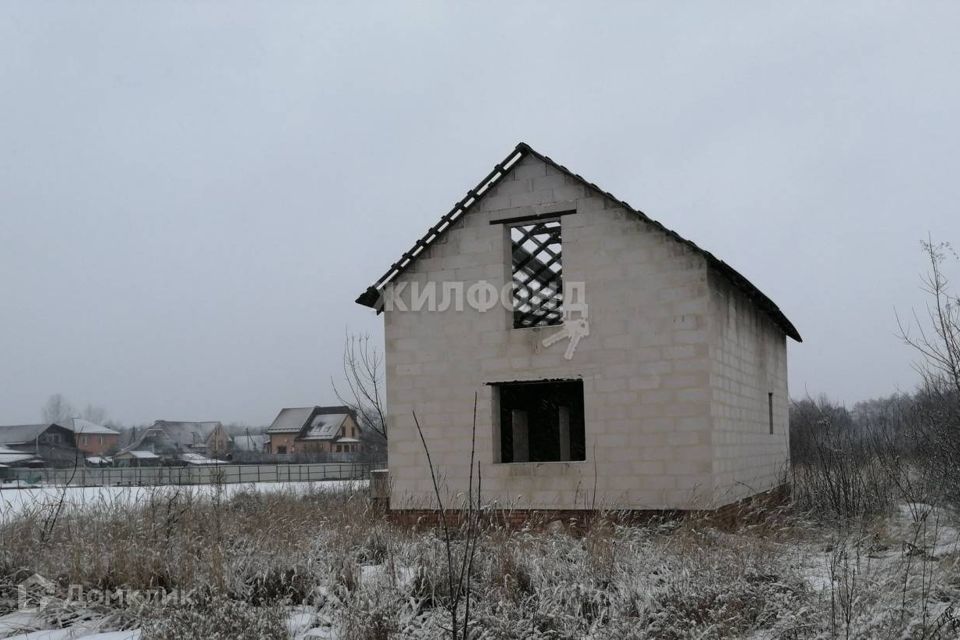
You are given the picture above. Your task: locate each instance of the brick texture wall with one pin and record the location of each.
(283, 440)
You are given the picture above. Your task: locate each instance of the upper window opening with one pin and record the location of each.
(537, 274)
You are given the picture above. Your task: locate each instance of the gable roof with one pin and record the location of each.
(79, 425)
(291, 419)
(371, 297)
(22, 433)
(323, 426)
(309, 421)
(179, 434)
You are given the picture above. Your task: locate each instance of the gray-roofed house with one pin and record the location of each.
(614, 364)
(311, 430)
(51, 442)
(170, 439)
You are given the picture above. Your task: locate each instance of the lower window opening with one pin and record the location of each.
(541, 421)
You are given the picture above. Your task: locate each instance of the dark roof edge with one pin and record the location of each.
(371, 297)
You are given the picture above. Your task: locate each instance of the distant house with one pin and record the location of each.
(170, 440)
(51, 442)
(310, 430)
(93, 439)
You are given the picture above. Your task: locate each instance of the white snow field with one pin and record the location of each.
(14, 502)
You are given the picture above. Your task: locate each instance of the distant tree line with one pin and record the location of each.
(58, 409)
(855, 461)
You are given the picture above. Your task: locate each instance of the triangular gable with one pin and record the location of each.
(372, 296)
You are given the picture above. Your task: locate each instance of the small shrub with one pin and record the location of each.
(215, 619)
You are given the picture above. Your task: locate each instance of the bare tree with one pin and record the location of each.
(938, 343)
(95, 414)
(57, 409)
(363, 372)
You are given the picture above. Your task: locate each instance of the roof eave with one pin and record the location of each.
(369, 298)
(757, 297)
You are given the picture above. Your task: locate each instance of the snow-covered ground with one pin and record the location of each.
(303, 623)
(15, 502)
(11, 627)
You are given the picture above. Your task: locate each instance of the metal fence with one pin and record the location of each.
(207, 474)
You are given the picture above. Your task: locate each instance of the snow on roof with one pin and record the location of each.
(21, 433)
(99, 460)
(79, 425)
(348, 440)
(186, 434)
(196, 458)
(140, 454)
(12, 456)
(324, 427)
(291, 419)
(302, 419)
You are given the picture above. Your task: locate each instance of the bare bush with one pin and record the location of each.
(214, 618)
(936, 340)
(837, 471)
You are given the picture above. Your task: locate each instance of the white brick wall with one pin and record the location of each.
(653, 380)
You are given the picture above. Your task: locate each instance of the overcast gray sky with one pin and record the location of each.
(192, 194)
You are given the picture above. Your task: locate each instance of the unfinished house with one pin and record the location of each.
(617, 364)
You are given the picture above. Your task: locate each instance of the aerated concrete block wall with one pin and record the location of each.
(652, 391)
(748, 353)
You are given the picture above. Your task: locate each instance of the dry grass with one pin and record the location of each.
(243, 562)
